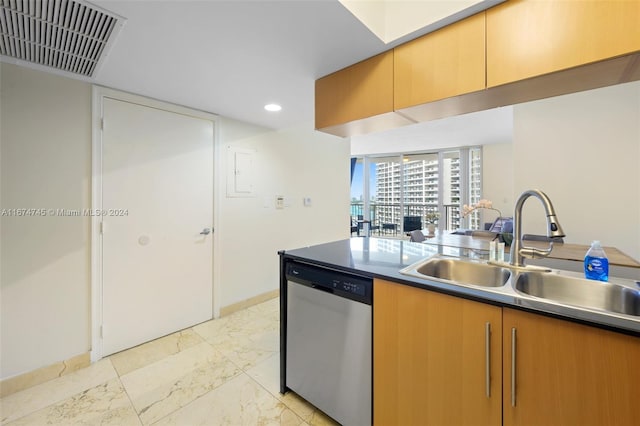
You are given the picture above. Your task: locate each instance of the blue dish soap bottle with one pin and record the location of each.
(596, 264)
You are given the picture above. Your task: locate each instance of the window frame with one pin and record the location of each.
(466, 192)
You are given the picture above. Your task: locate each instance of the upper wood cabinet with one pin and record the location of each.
(442, 64)
(358, 99)
(567, 373)
(436, 358)
(527, 38)
(518, 51)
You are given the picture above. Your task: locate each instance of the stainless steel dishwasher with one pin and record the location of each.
(328, 340)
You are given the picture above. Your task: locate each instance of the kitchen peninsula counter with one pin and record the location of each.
(384, 258)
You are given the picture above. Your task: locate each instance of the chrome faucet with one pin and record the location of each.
(518, 251)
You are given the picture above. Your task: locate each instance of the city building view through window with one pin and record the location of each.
(400, 193)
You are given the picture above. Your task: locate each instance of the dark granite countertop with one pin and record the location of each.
(384, 258)
(375, 257)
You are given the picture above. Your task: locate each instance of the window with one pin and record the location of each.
(357, 187)
(387, 192)
(475, 186)
(452, 191)
(398, 191)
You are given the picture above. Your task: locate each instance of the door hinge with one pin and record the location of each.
(102, 124)
(101, 227)
(101, 332)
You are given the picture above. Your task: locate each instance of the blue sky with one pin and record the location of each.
(356, 185)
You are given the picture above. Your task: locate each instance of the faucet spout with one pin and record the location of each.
(518, 251)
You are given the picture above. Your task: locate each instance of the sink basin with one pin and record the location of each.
(581, 292)
(461, 272)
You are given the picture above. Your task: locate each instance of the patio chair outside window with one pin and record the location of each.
(417, 236)
(411, 223)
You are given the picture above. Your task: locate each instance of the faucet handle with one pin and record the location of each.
(532, 252)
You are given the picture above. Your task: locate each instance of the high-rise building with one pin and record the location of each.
(417, 182)
(475, 185)
(420, 188)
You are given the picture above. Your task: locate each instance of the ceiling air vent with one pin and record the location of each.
(71, 36)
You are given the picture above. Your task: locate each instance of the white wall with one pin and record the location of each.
(497, 181)
(45, 151)
(46, 158)
(296, 163)
(583, 150)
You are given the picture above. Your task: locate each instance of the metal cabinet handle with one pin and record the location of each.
(487, 345)
(513, 367)
(205, 231)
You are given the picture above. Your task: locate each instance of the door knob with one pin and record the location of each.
(206, 231)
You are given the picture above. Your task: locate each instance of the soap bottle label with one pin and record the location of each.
(596, 268)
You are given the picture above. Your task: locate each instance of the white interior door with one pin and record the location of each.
(157, 199)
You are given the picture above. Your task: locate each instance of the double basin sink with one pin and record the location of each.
(618, 298)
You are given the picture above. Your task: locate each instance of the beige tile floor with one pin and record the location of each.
(221, 372)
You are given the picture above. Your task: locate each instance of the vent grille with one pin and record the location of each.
(67, 35)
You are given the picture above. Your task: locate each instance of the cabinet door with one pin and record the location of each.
(359, 91)
(430, 365)
(526, 38)
(567, 373)
(442, 64)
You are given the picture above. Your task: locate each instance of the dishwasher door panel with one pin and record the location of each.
(329, 353)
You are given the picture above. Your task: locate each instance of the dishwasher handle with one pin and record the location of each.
(322, 288)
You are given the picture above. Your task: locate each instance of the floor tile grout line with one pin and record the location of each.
(213, 349)
(245, 370)
(58, 401)
(137, 347)
(133, 407)
(240, 372)
(279, 397)
(252, 316)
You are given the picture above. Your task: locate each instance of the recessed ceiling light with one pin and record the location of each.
(272, 107)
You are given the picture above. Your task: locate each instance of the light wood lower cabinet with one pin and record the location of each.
(430, 365)
(430, 358)
(568, 374)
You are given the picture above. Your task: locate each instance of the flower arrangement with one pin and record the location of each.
(482, 204)
(505, 237)
(431, 217)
